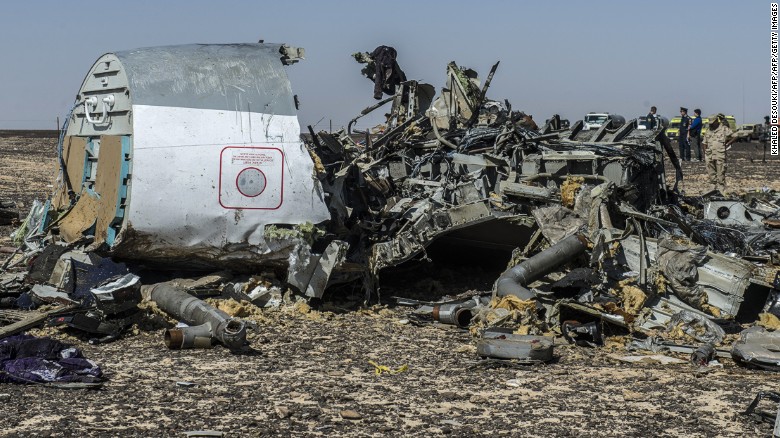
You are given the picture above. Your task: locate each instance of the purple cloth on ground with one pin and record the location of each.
(26, 359)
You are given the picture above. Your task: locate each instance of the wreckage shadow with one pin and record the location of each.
(247, 350)
(447, 269)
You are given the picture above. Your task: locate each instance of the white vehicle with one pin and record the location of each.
(597, 120)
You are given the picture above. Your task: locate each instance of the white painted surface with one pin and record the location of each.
(185, 190)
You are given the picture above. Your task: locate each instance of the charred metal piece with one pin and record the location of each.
(206, 324)
(514, 280)
(115, 309)
(759, 348)
(583, 335)
(503, 344)
(766, 416)
(118, 295)
(365, 111)
(703, 355)
(732, 213)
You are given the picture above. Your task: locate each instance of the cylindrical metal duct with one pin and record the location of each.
(458, 314)
(514, 280)
(206, 323)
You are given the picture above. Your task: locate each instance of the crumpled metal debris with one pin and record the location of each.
(696, 326)
(115, 309)
(583, 335)
(759, 348)
(503, 344)
(557, 222)
(31, 233)
(769, 417)
(678, 263)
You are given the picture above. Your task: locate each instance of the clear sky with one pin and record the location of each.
(561, 57)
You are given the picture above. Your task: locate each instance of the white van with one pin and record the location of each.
(597, 120)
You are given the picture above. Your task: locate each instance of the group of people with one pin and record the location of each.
(711, 147)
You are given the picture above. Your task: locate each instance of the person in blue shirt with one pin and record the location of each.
(694, 134)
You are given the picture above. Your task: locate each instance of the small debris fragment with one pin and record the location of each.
(379, 369)
(349, 414)
(513, 383)
(654, 358)
(283, 411)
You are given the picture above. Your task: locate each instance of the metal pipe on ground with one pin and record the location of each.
(458, 314)
(514, 280)
(206, 324)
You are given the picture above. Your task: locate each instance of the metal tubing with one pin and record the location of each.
(458, 314)
(514, 280)
(439, 137)
(180, 338)
(206, 323)
(366, 111)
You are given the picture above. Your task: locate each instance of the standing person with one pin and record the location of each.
(715, 141)
(682, 137)
(651, 122)
(694, 134)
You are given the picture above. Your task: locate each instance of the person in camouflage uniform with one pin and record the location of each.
(715, 141)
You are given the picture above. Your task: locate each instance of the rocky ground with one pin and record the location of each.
(308, 373)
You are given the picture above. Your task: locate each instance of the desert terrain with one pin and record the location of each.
(307, 371)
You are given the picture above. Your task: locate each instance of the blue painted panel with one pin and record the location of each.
(116, 225)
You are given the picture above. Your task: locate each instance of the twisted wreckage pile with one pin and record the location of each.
(602, 246)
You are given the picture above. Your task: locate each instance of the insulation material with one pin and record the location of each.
(698, 327)
(73, 153)
(510, 312)
(96, 209)
(569, 190)
(632, 298)
(107, 183)
(769, 321)
(80, 218)
(758, 347)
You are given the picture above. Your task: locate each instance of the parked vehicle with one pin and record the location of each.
(744, 132)
(596, 120)
(674, 128)
(750, 131)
